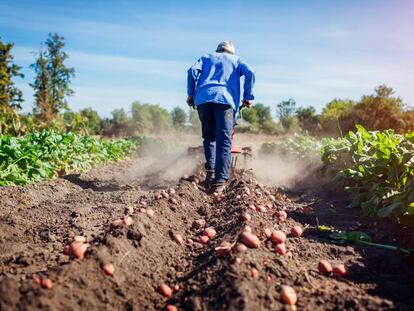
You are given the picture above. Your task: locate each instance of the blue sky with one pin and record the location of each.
(312, 51)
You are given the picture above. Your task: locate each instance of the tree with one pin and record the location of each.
(52, 79)
(263, 113)
(179, 117)
(307, 118)
(93, 120)
(285, 111)
(380, 111)
(10, 96)
(43, 107)
(250, 115)
(120, 122)
(141, 117)
(337, 117)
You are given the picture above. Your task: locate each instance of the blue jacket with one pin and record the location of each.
(216, 78)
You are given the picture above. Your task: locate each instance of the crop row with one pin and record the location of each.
(43, 155)
(375, 167)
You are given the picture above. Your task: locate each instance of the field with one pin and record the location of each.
(39, 219)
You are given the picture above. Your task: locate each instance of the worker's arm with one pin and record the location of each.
(192, 76)
(249, 78)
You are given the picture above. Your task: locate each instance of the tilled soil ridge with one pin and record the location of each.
(37, 221)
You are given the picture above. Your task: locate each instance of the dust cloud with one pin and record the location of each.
(284, 171)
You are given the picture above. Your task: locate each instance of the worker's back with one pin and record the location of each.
(218, 79)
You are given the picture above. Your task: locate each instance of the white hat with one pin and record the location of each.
(226, 46)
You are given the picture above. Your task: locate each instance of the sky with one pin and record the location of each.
(125, 51)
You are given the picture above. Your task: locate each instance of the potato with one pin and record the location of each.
(165, 290)
(199, 223)
(171, 191)
(288, 295)
(210, 232)
(278, 237)
(250, 240)
(246, 217)
(78, 249)
(204, 239)
(247, 228)
(237, 261)
(280, 249)
(296, 231)
(66, 249)
(109, 269)
(46, 283)
(261, 208)
(171, 308)
(266, 192)
(178, 239)
(324, 267)
(173, 201)
(176, 288)
(127, 221)
(239, 248)
(165, 195)
(281, 215)
(150, 212)
(79, 238)
(267, 232)
(339, 271)
(254, 273)
(252, 207)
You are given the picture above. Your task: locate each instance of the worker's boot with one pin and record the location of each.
(209, 179)
(218, 187)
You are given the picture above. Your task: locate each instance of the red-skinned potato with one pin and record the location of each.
(109, 269)
(288, 295)
(46, 283)
(171, 308)
(210, 232)
(246, 217)
(267, 232)
(127, 221)
(324, 267)
(247, 228)
(78, 249)
(239, 248)
(204, 239)
(250, 240)
(254, 273)
(296, 231)
(150, 212)
(339, 271)
(165, 290)
(79, 238)
(280, 249)
(178, 239)
(278, 237)
(261, 208)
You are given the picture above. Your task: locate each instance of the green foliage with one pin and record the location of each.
(43, 155)
(307, 119)
(10, 95)
(285, 111)
(52, 79)
(179, 117)
(377, 169)
(298, 146)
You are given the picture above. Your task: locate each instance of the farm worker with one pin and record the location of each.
(213, 87)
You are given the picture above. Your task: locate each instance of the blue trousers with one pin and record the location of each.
(217, 121)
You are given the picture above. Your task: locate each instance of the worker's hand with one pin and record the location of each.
(190, 101)
(247, 103)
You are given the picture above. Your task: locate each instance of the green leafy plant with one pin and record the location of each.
(43, 155)
(377, 170)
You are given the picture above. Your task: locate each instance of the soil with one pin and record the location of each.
(37, 221)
